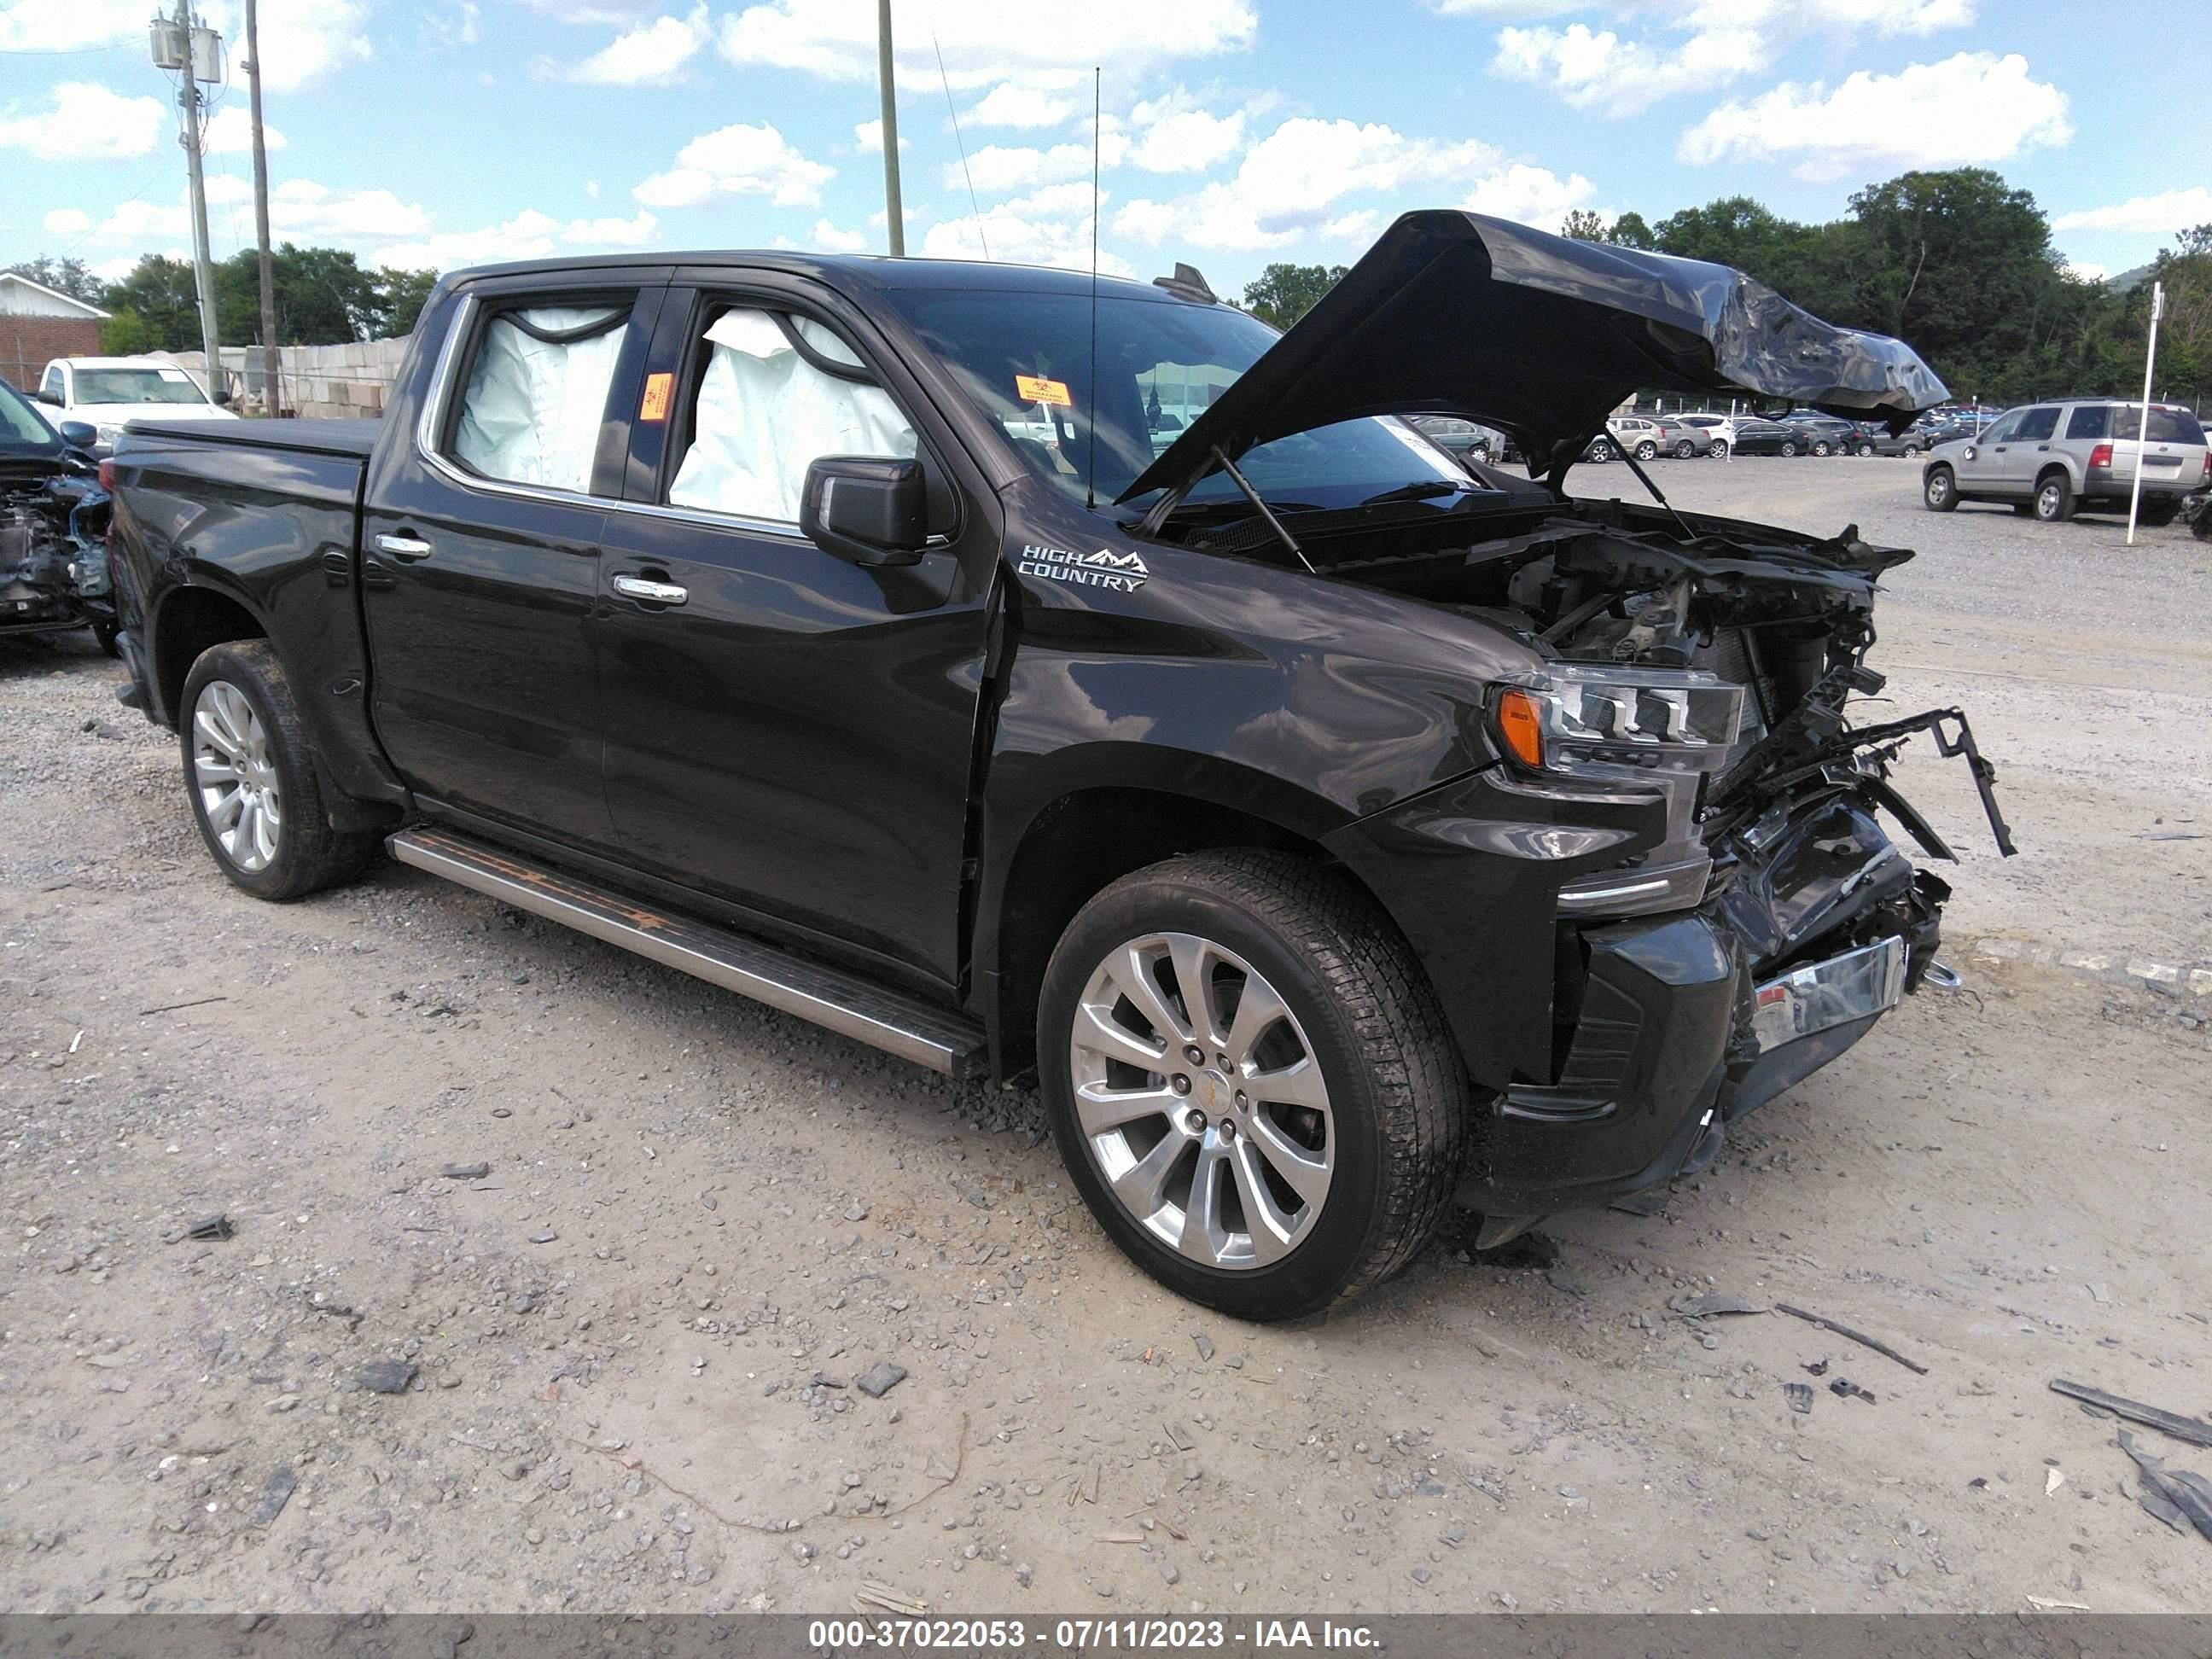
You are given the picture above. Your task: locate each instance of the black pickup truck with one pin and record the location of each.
(1333, 828)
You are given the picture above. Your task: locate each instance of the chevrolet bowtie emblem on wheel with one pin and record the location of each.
(1124, 573)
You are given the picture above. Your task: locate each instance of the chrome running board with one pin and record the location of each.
(845, 1003)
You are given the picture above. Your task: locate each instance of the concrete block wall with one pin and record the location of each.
(347, 381)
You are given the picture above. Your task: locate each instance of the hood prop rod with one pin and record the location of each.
(1637, 467)
(1268, 512)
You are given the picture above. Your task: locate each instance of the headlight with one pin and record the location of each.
(1576, 716)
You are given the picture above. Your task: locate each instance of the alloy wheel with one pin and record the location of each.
(236, 776)
(1201, 1101)
(2049, 499)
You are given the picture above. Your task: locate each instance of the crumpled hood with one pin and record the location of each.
(1462, 313)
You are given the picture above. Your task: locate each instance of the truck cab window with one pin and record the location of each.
(779, 392)
(536, 394)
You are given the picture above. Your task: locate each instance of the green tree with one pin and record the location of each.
(63, 276)
(160, 292)
(400, 297)
(1284, 293)
(126, 334)
(1629, 230)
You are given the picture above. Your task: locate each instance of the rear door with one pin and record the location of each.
(480, 553)
(794, 735)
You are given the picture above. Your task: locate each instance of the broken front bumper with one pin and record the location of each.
(1668, 1028)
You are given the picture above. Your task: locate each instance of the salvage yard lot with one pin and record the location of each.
(637, 1337)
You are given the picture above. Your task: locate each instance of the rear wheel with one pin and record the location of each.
(253, 782)
(1647, 451)
(1821, 446)
(1718, 449)
(1250, 1081)
(1940, 489)
(1601, 451)
(1865, 448)
(2054, 498)
(1911, 451)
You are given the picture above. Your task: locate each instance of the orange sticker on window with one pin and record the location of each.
(1034, 389)
(654, 406)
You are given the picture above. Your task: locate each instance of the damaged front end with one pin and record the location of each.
(53, 548)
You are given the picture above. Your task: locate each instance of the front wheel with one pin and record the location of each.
(1864, 450)
(1820, 447)
(1251, 1082)
(1789, 447)
(1601, 451)
(253, 785)
(1684, 449)
(1940, 490)
(1718, 451)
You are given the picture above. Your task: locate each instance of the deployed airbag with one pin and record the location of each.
(538, 393)
(765, 413)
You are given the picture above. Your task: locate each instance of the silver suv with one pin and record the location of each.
(2052, 460)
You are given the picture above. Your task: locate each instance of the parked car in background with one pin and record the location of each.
(1757, 435)
(1466, 439)
(1824, 435)
(53, 527)
(1648, 437)
(1719, 430)
(2052, 460)
(1916, 439)
(104, 392)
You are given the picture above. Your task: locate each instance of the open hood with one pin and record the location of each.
(1453, 313)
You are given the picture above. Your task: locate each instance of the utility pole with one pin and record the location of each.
(894, 214)
(181, 45)
(2142, 428)
(272, 382)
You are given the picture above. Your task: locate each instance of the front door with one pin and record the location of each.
(2028, 449)
(1980, 465)
(480, 560)
(787, 732)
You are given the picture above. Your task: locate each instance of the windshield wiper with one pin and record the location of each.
(1425, 490)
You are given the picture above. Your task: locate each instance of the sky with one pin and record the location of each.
(443, 133)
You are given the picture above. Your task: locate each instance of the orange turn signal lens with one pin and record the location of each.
(1520, 725)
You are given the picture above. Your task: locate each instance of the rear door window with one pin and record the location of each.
(536, 395)
(2037, 424)
(2090, 420)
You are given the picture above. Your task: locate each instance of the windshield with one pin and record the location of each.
(1025, 360)
(22, 426)
(136, 386)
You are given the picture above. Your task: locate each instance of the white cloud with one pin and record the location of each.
(1528, 194)
(1973, 108)
(986, 40)
(529, 235)
(830, 239)
(736, 160)
(1701, 47)
(86, 122)
(651, 54)
(230, 132)
(68, 221)
(869, 136)
(1007, 105)
(2161, 215)
(1287, 186)
(1015, 238)
(70, 25)
(1183, 140)
(2087, 271)
(299, 209)
(301, 40)
(998, 168)
(1358, 226)
(115, 269)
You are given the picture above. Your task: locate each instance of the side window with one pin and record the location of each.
(52, 383)
(2036, 424)
(2003, 432)
(2090, 420)
(536, 394)
(779, 392)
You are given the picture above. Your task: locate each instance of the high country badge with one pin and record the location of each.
(1123, 573)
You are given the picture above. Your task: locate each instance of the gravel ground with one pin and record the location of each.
(629, 1354)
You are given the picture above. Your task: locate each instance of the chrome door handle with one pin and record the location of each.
(650, 593)
(409, 548)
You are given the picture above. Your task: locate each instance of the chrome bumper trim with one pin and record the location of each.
(1821, 995)
(1638, 892)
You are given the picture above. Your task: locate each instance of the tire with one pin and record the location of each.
(106, 633)
(1684, 449)
(238, 716)
(1864, 451)
(2054, 498)
(1911, 452)
(1939, 490)
(1391, 1120)
(1601, 451)
(1647, 451)
(1822, 447)
(1788, 446)
(1719, 450)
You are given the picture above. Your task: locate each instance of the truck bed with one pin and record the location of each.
(352, 439)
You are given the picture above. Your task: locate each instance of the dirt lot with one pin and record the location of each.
(637, 1338)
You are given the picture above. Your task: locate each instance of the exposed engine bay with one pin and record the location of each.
(53, 549)
(1711, 660)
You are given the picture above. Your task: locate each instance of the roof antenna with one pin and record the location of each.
(945, 81)
(1090, 484)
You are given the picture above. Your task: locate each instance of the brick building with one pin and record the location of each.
(37, 325)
